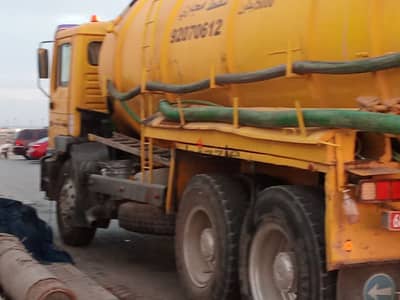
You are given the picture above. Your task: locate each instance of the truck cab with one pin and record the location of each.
(77, 98)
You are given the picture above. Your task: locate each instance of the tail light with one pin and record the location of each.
(376, 191)
(18, 143)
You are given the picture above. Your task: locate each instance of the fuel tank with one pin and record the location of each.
(184, 41)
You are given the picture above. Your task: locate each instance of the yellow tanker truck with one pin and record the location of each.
(262, 134)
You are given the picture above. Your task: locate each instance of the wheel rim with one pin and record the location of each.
(67, 203)
(272, 264)
(199, 247)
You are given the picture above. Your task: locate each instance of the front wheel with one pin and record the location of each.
(70, 233)
(283, 257)
(207, 237)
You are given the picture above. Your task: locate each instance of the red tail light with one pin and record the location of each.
(383, 190)
(18, 143)
(379, 190)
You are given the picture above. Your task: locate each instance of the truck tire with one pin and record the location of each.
(282, 253)
(207, 236)
(70, 233)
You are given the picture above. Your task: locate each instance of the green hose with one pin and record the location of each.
(200, 102)
(136, 118)
(130, 112)
(324, 118)
(373, 64)
(396, 156)
(366, 121)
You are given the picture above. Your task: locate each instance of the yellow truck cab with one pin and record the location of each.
(76, 97)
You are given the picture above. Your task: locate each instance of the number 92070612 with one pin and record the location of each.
(197, 31)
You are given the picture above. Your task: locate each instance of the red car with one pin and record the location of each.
(38, 149)
(25, 137)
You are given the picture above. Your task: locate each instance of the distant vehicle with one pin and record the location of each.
(38, 149)
(26, 136)
(7, 134)
(4, 149)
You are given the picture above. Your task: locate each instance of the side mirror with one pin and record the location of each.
(43, 63)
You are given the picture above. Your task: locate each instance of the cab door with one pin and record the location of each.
(60, 89)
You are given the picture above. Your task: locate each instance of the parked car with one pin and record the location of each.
(25, 137)
(38, 149)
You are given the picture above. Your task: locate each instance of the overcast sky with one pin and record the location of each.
(23, 24)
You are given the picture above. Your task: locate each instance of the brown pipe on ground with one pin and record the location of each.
(23, 278)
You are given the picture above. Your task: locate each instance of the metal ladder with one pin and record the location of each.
(160, 157)
(146, 144)
(147, 159)
(149, 32)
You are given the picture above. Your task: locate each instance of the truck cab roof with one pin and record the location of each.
(92, 28)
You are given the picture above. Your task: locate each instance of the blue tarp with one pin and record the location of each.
(22, 221)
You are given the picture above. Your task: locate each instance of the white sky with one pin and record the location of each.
(23, 24)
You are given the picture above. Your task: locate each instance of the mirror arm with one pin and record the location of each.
(45, 42)
(39, 85)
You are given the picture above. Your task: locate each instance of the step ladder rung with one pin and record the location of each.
(133, 142)
(160, 152)
(158, 156)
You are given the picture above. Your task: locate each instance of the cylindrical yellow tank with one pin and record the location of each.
(184, 41)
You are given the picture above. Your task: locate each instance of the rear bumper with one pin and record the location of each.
(33, 154)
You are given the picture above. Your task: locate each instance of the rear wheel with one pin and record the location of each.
(71, 234)
(207, 235)
(283, 258)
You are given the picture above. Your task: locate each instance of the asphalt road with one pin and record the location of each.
(132, 266)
